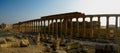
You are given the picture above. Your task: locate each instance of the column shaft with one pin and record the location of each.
(41, 30)
(98, 28)
(107, 27)
(38, 26)
(77, 27)
(71, 29)
(99, 22)
(62, 37)
(66, 20)
(84, 35)
(107, 22)
(35, 26)
(48, 27)
(56, 30)
(116, 23)
(52, 27)
(91, 28)
(44, 27)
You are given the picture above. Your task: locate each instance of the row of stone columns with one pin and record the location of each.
(48, 26)
(31, 26)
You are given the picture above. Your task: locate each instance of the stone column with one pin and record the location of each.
(77, 27)
(56, 43)
(52, 30)
(26, 27)
(52, 27)
(107, 22)
(44, 27)
(99, 21)
(31, 26)
(34, 26)
(99, 27)
(61, 31)
(71, 29)
(56, 26)
(84, 35)
(116, 23)
(39, 26)
(19, 27)
(41, 29)
(116, 27)
(91, 22)
(66, 20)
(48, 27)
(107, 27)
(45, 35)
(22, 27)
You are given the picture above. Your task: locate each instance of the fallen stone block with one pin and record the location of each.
(2, 41)
(24, 43)
(15, 44)
(5, 45)
(11, 39)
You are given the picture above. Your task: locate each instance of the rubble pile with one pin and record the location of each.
(13, 42)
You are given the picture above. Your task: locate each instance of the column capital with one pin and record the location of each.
(56, 19)
(91, 16)
(107, 16)
(84, 18)
(116, 16)
(60, 19)
(99, 16)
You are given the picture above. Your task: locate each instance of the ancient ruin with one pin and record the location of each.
(65, 32)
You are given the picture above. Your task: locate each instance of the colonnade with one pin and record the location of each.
(62, 25)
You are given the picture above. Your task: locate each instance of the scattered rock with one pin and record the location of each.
(60, 51)
(5, 45)
(24, 43)
(3, 41)
(11, 39)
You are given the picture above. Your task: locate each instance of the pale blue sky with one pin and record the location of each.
(12, 11)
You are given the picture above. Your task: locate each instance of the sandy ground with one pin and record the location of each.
(29, 49)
